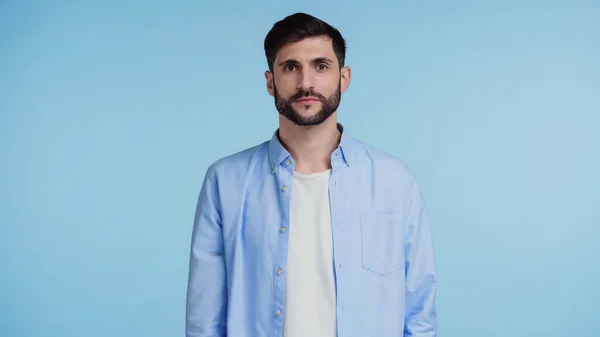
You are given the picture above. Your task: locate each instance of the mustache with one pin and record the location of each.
(307, 93)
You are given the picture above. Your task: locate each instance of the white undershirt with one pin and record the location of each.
(310, 299)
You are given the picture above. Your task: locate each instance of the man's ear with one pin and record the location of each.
(345, 76)
(270, 84)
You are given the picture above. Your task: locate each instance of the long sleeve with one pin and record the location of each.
(206, 304)
(421, 276)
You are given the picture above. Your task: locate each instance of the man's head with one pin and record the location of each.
(306, 73)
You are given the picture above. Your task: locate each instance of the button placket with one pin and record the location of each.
(283, 181)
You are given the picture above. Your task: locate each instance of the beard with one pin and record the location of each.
(328, 106)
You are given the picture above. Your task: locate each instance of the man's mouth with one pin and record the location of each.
(307, 100)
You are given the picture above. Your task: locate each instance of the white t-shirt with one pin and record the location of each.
(310, 297)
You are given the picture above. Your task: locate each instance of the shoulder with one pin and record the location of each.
(240, 161)
(369, 156)
(388, 176)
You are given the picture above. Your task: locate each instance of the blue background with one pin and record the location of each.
(111, 112)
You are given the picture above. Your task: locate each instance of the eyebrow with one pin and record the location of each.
(322, 60)
(313, 61)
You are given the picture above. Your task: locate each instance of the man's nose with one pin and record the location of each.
(306, 80)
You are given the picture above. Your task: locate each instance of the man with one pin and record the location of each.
(312, 233)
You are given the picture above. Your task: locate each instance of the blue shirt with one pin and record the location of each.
(384, 266)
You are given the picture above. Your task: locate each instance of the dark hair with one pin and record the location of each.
(297, 27)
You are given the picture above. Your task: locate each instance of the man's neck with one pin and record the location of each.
(310, 146)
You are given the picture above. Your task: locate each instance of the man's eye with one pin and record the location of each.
(322, 66)
(289, 68)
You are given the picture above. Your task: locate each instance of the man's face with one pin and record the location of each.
(306, 81)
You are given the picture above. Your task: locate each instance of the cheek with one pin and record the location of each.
(285, 87)
(329, 85)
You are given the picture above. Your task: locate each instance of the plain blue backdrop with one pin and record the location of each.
(111, 112)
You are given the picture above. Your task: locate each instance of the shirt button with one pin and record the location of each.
(284, 188)
(288, 162)
(277, 313)
(283, 229)
(279, 271)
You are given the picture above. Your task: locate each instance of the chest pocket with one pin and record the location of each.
(382, 242)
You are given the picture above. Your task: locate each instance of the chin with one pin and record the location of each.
(308, 114)
(307, 110)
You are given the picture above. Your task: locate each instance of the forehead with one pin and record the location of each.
(307, 50)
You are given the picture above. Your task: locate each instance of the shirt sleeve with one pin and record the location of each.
(206, 303)
(421, 277)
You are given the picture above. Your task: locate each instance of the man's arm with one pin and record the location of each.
(206, 304)
(421, 276)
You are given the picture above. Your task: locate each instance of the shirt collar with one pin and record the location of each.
(341, 155)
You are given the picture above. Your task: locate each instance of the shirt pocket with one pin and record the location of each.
(382, 242)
